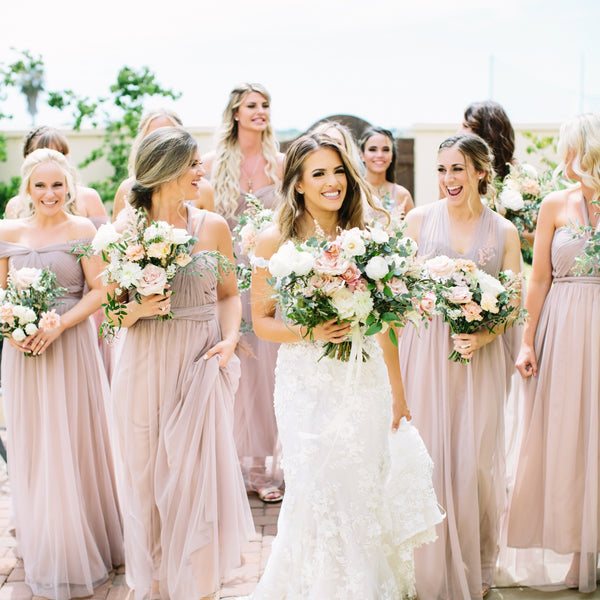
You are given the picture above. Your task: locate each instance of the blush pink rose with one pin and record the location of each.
(440, 267)
(359, 285)
(531, 186)
(49, 320)
(351, 274)
(427, 304)
(471, 312)
(331, 263)
(459, 295)
(154, 280)
(6, 313)
(397, 286)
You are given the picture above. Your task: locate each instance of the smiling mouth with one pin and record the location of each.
(454, 191)
(332, 195)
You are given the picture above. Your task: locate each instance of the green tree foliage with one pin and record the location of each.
(27, 74)
(127, 98)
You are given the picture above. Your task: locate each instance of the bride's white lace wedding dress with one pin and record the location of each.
(358, 498)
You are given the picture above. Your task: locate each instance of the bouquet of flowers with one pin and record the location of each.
(588, 262)
(469, 299)
(368, 278)
(25, 305)
(142, 259)
(519, 197)
(253, 221)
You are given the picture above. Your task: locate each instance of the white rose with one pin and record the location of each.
(352, 243)
(529, 170)
(489, 285)
(280, 264)
(20, 312)
(303, 263)
(343, 300)
(29, 316)
(377, 267)
(379, 236)
(363, 305)
(105, 236)
(26, 277)
(18, 335)
(30, 328)
(511, 199)
(180, 236)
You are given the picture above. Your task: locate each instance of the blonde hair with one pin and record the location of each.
(33, 160)
(351, 213)
(143, 127)
(581, 135)
(225, 176)
(350, 145)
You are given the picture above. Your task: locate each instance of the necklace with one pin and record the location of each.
(251, 175)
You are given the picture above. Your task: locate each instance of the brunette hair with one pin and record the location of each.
(390, 173)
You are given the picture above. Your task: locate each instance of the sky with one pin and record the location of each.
(395, 63)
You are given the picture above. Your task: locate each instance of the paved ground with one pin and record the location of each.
(13, 587)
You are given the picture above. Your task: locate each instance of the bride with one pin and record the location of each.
(351, 517)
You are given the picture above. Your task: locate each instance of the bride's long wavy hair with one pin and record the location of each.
(351, 214)
(225, 175)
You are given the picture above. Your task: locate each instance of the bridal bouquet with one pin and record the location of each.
(142, 259)
(519, 197)
(25, 305)
(252, 222)
(469, 299)
(588, 262)
(368, 278)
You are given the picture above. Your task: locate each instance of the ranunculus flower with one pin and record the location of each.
(105, 236)
(30, 328)
(183, 259)
(18, 335)
(343, 300)
(25, 277)
(134, 252)
(154, 280)
(158, 249)
(511, 199)
(377, 267)
(440, 267)
(489, 302)
(471, 311)
(49, 320)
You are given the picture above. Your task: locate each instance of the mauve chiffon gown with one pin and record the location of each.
(185, 508)
(458, 410)
(66, 515)
(555, 506)
(255, 427)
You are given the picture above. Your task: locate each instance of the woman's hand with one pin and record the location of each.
(526, 362)
(399, 410)
(466, 343)
(331, 331)
(148, 306)
(38, 343)
(225, 350)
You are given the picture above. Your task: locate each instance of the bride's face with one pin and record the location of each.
(323, 182)
(47, 188)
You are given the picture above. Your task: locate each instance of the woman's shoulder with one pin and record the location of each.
(10, 229)
(89, 202)
(80, 227)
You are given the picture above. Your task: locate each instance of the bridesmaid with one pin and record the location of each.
(151, 121)
(66, 517)
(185, 509)
(555, 504)
(247, 161)
(459, 412)
(378, 153)
(87, 200)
